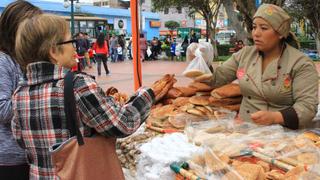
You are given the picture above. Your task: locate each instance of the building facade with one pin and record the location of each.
(92, 18)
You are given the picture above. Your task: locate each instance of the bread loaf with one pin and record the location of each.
(200, 86)
(226, 91)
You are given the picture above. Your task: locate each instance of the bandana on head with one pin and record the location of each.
(276, 17)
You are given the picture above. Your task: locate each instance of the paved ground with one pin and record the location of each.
(121, 76)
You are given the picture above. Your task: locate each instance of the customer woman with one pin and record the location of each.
(13, 164)
(45, 51)
(278, 82)
(102, 51)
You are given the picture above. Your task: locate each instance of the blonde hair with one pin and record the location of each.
(36, 36)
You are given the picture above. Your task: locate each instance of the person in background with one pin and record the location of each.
(184, 47)
(194, 38)
(278, 82)
(82, 49)
(91, 54)
(130, 49)
(113, 46)
(154, 46)
(45, 53)
(143, 47)
(121, 43)
(13, 162)
(102, 51)
(173, 49)
(86, 54)
(120, 52)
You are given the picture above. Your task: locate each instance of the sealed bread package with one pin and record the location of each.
(226, 91)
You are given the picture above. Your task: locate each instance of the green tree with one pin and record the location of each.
(309, 10)
(247, 9)
(171, 25)
(208, 9)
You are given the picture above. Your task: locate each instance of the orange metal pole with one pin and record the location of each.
(137, 76)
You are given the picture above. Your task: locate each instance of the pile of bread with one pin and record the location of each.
(195, 102)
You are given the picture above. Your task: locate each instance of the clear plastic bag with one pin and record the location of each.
(203, 49)
(200, 56)
(196, 67)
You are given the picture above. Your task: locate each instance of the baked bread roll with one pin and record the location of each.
(163, 112)
(226, 91)
(200, 100)
(167, 101)
(234, 107)
(225, 101)
(200, 86)
(174, 93)
(193, 73)
(180, 101)
(203, 77)
(162, 86)
(187, 91)
(195, 111)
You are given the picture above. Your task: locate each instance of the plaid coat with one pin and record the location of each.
(39, 118)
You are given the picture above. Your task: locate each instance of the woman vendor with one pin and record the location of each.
(278, 82)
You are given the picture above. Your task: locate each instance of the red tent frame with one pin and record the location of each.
(137, 76)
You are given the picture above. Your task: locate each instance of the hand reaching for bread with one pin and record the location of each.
(162, 86)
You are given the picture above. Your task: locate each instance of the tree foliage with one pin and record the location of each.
(171, 25)
(208, 9)
(307, 9)
(247, 8)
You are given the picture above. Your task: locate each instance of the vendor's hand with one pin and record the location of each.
(267, 117)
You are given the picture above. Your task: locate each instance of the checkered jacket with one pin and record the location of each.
(40, 122)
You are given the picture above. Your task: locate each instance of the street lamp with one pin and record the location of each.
(66, 4)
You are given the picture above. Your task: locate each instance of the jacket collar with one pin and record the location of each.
(40, 72)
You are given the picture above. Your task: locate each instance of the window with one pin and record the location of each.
(179, 9)
(166, 11)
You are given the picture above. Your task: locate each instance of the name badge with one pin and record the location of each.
(287, 83)
(240, 73)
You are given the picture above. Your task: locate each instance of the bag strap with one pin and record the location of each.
(70, 108)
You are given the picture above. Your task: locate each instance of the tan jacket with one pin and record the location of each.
(289, 85)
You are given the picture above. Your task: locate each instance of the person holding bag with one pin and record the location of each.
(45, 52)
(101, 49)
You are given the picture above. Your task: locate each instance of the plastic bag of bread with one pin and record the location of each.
(199, 56)
(204, 49)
